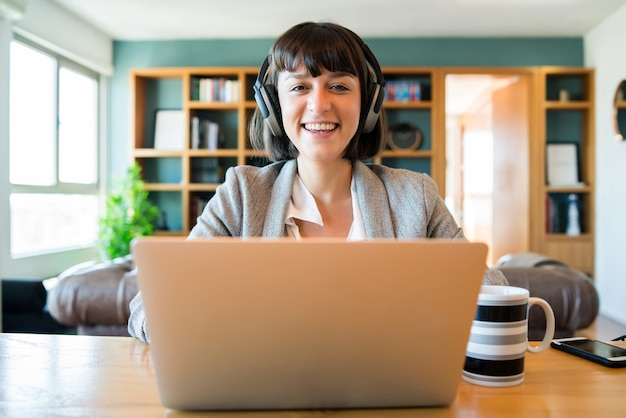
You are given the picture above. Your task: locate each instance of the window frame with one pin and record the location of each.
(49, 262)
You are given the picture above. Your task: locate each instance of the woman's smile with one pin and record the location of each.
(320, 127)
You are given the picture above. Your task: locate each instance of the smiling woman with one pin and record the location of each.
(319, 119)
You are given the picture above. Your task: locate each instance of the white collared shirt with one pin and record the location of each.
(303, 206)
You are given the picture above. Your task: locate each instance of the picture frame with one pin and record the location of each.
(562, 164)
(169, 130)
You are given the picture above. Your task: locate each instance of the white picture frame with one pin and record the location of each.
(169, 130)
(562, 164)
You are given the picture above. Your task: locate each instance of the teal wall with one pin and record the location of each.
(427, 52)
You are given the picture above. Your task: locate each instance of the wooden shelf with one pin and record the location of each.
(178, 88)
(565, 121)
(407, 105)
(163, 187)
(568, 189)
(155, 153)
(179, 185)
(553, 104)
(402, 154)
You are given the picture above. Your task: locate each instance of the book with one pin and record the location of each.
(195, 132)
(562, 164)
(169, 131)
(210, 134)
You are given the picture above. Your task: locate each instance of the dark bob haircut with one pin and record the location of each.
(320, 46)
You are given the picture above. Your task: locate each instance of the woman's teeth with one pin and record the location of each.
(320, 126)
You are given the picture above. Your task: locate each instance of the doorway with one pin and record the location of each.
(487, 158)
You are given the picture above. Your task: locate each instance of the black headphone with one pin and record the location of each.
(267, 97)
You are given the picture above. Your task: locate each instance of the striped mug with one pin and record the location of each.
(499, 336)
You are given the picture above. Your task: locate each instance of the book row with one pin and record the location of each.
(205, 134)
(403, 90)
(215, 89)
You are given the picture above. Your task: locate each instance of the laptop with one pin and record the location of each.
(275, 324)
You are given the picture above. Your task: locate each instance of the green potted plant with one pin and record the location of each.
(128, 215)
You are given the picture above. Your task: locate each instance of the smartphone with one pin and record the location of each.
(596, 351)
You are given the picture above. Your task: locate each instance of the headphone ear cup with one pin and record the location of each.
(375, 104)
(377, 91)
(274, 115)
(258, 97)
(267, 100)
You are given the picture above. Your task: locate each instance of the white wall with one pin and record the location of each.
(52, 26)
(605, 50)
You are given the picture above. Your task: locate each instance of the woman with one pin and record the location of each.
(319, 95)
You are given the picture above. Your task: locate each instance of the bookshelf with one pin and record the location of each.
(418, 112)
(181, 181)
(566, 119)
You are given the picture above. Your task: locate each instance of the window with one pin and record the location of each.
(53, 152)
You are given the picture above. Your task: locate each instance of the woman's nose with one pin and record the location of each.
(319, 100)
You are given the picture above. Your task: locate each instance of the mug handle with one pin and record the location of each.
(549, 335)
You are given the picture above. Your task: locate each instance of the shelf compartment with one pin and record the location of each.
(400, 86)
(209, 170)
(422, 118)
(575, 84)
(151, 95)
(565, 126)
(226, 134)
(163, 170)
(169, 204)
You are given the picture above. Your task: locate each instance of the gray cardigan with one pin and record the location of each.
(394, 203)
(253, 202)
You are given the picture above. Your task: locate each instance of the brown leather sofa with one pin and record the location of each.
(94, 297)
(570, 292)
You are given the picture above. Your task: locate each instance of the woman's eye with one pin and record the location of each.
(298, 87)
(340, 87)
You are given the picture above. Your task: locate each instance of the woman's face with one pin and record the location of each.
(320, 114)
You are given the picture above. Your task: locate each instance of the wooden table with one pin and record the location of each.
(82, 376)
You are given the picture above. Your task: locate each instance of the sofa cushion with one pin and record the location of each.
(570, 292)
(94, 294)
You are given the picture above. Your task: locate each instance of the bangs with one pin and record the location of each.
(317, 48)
